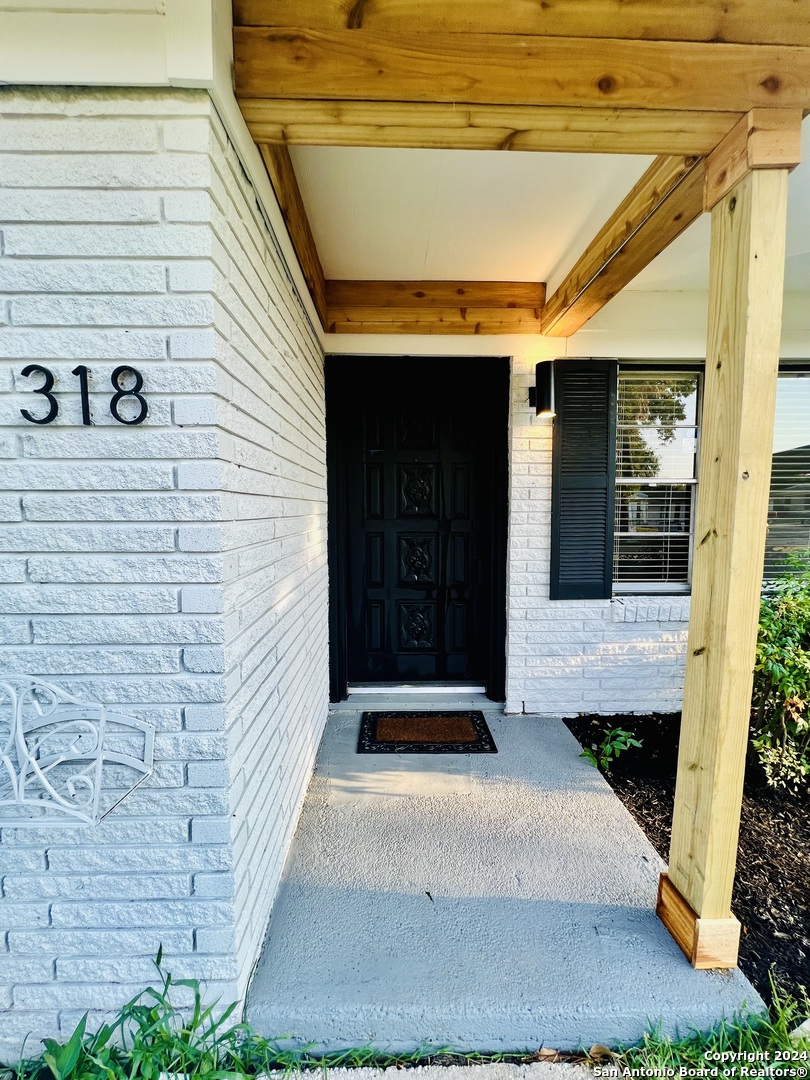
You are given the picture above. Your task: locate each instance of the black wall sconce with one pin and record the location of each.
(541, 395)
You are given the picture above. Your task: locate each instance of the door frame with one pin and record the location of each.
(337, 520)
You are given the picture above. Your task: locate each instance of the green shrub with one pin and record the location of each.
(780, 725)
(615, 742)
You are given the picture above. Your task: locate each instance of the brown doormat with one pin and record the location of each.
(425, 733)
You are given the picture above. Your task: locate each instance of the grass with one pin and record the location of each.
(744, 1047)
(153, 1034)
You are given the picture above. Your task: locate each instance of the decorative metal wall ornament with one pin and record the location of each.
(64, 761)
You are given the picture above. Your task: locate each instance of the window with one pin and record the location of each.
(789, 503)
(656, 480)
(623, 478)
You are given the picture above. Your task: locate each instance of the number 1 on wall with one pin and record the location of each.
(84, 391)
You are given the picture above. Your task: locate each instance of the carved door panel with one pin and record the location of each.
(419, 524)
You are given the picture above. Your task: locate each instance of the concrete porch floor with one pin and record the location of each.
(485, 902)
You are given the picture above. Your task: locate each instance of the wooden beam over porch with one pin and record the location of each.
(743, 21)
(667, 199)
(510, 69)
(452, 126)
(745, 305)
(434, 307)
(680, 82)
(665, 202)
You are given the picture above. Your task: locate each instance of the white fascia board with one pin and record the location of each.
(101, 7)
(190, 42)
(47, 48)
(112, 43)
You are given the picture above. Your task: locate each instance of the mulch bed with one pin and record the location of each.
(772, 890)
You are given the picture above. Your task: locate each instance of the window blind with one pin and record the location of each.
(789, 502)
(656, 451)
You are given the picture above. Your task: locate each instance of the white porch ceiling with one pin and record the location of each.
(470, 215)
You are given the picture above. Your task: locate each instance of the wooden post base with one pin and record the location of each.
(706, 943)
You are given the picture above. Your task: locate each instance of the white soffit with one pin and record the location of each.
(472, 215)
(462, 215)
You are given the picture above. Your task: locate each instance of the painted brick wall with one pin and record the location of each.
(133, 567)
(275, 598)
(565, 657)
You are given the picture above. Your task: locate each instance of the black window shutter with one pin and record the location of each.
(583, 475)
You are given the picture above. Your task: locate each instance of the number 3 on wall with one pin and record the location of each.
(45, 390)
(121, 394)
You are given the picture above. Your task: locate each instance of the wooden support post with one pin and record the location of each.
(745, 306)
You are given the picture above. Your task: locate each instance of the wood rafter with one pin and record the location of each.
(282, 176)
(448, 126)
(670, 195)
(664, 202)
(508, 69)
(434, 307)
(745, 21)
(667, 199)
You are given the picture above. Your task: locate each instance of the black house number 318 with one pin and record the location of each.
(122, 393)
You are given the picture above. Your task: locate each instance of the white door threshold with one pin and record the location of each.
(382, 698)
(424, 689)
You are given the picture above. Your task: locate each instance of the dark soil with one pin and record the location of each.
(772, 890)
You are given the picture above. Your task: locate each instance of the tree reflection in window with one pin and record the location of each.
(656, 442)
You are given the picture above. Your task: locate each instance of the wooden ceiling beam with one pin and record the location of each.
(667, 199)
(664, 202)
(782, 22)
(485, 127)
(434, 307)
(508, 69)
(282, 177)
(429, 294)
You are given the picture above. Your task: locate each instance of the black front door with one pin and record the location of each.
(419, 448)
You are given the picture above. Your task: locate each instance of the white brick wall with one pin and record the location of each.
(177, 568)
(565, 657)
(274, 544)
